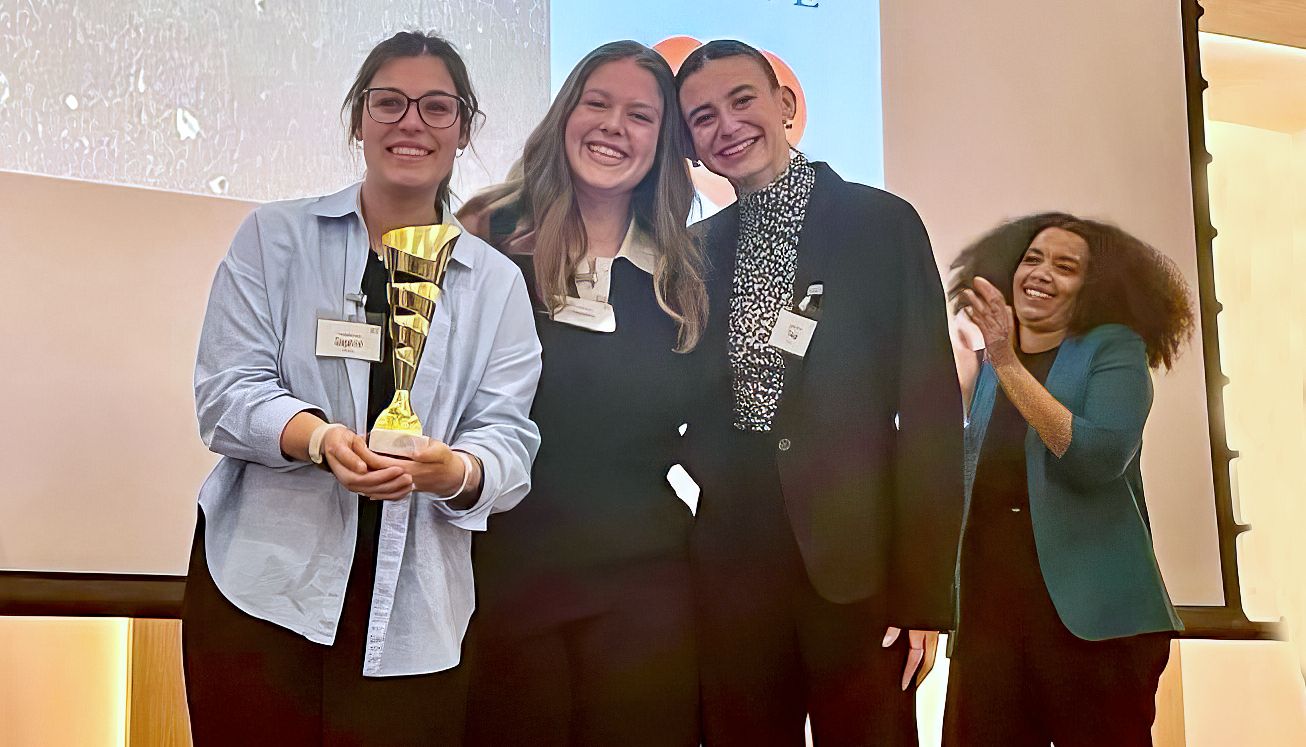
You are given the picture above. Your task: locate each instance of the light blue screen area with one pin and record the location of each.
(834, 49)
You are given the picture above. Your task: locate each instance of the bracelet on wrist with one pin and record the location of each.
(315, 441)
(468, 468)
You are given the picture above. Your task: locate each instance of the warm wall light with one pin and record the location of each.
(1256, 134)
(65, 681)
(120, 684)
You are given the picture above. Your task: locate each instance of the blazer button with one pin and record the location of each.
(784, 444)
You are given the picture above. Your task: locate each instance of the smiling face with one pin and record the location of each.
(409, 154)
(611, 136)
(737, 120)
(1048, 280)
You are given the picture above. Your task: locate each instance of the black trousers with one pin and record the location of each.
(1028, 690)
(250, 682)
(622, 674)
(1018, 677)
(773, 651)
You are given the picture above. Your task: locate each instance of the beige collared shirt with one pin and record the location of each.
(594, 283)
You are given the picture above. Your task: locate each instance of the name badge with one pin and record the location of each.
(337, 339)
(792, 333)
(595, 316)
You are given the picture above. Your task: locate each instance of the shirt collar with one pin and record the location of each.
(349, 201)
(637, 247)
(340, 204)
(787, 185)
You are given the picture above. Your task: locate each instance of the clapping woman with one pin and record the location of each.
(1064, 621)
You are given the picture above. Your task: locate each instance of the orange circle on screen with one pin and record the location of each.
(674, 50)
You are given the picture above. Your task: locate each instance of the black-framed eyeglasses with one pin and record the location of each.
(387, 106)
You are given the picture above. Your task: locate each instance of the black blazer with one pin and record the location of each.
(869, 429)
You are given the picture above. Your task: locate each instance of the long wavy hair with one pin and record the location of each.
(539, 189)
(1127, 282)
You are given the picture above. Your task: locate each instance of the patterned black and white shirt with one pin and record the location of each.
(770, 220)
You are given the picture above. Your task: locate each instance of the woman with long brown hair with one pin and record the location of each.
(583, 630)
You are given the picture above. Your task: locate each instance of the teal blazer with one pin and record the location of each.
(1090, 520)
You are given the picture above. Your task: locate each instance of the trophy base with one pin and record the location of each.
(396, 443)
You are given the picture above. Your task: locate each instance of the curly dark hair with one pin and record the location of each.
(1127, 282)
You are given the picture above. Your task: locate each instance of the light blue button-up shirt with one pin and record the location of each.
(280, 534)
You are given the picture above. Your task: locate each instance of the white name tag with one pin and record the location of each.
(337, 339)
(595, 316)
(792, 333)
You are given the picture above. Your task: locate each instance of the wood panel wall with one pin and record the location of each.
(156, 700)
(1274, 21)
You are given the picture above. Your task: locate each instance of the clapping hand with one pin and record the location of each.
(988, 309)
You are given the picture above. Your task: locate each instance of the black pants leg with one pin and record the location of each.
(625, 676)
(772, 651)
(635, 667)
(990, 701)
(249, 681)
(520, 689)
(1033, 690)
(1101, 692)
(855, 694)
(751, 670)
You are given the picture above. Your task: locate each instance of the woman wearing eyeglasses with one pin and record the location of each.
(330, 586)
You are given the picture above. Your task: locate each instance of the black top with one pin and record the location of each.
(381, 379)
(381, 389)
(609, 407)
(1001, 585)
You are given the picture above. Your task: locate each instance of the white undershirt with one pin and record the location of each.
(596, 284)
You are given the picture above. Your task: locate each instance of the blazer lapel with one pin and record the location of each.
(814, 244)
(981, 409)
(722, 247)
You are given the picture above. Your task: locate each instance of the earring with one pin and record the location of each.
(695, 162)
(789, 125)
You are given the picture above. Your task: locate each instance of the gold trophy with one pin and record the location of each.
(415, 258)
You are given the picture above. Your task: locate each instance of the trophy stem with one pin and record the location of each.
(398, 432)
(416, 258)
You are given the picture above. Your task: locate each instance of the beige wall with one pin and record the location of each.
(1008, 107)
(105, 292)
(989, 112)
